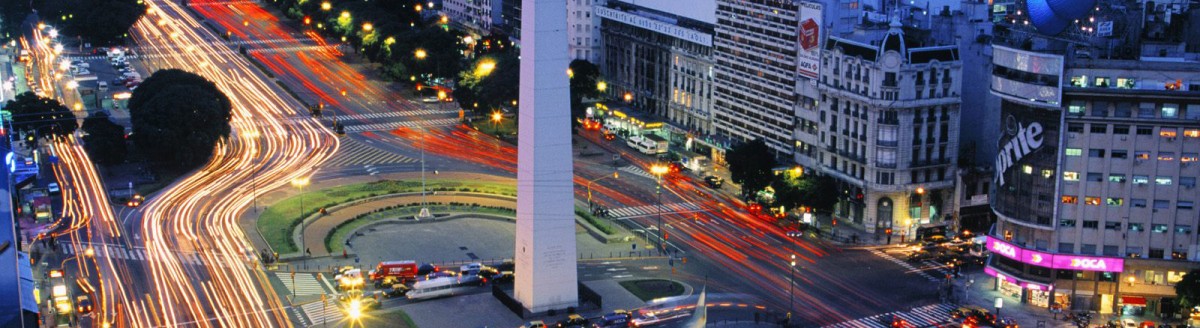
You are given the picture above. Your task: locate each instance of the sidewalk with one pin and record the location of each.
(980, 293)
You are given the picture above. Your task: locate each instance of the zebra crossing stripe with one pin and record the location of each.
(321, 312)
(904, 264)
(923, 316)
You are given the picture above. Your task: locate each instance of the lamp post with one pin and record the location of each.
(615, 175)
(299, 183)
(496, 118)
(792, 288)
(658, 170)
(424, 213)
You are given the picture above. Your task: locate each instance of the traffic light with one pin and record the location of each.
(887, 231)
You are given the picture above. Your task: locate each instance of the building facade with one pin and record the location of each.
(659, 63)
(583, 30)
(886, 125)
(475, 16)
(1095, 176)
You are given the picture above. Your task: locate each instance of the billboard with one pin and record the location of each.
(657, 26)
(1026, 162)
(1055, 261)
(1027, 76)
(808, 40)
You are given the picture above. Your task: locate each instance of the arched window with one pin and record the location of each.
(884, 212)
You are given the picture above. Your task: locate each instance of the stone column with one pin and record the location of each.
(545, 237)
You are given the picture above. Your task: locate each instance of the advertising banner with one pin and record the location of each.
(808, 40)
(1026, 162)
(1055, 261)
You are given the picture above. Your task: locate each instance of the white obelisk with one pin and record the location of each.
(545, 251)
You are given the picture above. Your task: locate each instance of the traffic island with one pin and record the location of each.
(650, 289)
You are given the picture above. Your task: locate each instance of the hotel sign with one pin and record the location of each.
(673, 30)
(1055, 261)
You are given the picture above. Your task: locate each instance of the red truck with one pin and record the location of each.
(401, 270)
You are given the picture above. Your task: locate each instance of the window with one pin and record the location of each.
(1166, 156)
(1162, 204)
(1100, 109)
(1188, 182)
(1124, 83)
(1079, 81)
(1158, 228)
(1096, 153)
(1168, 132)
(1091, 201)
(1138, 202)
(1119, 154)
(1156, 253)
(1170, 110)
(1114, 201)
(1146, 110)
(885, 157)
(1143, 130)
(1026, 169)
(1066, 248)
(1175, 276)
(1191, 133)
(1095, 177)
(1089, 249)
(1141, 155)
(1192, 113)
(1183, 229)
(1118, 178)
(1099, 128)
(1074, 151)
(1112, 226)
(1046, 174)
(1189, 157)
(1102, 82)
(1135, 227)
(1162, 181)
(1120, 129)
(1065, 223)
(1087, 224)
(1141, 179)
(1070, 176)
(1070, 199)
(1184, 205)
(1110, 250)
(1076, 107)
(1075, 127)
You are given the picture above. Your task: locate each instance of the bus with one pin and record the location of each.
(438, 287)
(648, 144)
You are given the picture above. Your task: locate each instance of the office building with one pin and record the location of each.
(583, 30)
(475, 16)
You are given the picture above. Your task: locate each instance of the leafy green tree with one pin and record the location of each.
(584, 76)
(96, 21)
(178, 117)
(105, 140)
(494, 88)
(42, 117)
(818, 192)
(750, 165)
(1187, 291)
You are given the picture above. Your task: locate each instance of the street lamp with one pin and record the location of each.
(368, 27)
(658, 170)
(792, 288)
(601, 86)
(326, 6)
(485, 68)
(300, 183)
(615, 175)
(496, 118)
(421, 54)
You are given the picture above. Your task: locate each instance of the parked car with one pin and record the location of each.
(573, 320)
(534, 324)
(397, 290)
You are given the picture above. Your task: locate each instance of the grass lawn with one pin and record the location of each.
(334, 240)
(649, 289)
(390, 318)
(279, 219)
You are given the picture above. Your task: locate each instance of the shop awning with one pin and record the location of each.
(1133, 300)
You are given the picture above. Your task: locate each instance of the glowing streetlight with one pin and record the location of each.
(355, 310)
(496, 117)
(659, 170)
(71, 85)
(570, 73)
(615, 175)
(797, 171)
(421, 54)
(601, 86)
(326, 6)
(485, 68)
(418, 8)
(53, 33)
(345, 15)
(300, 183)
(367, 27)
(628, 97)
(920, 190)
(89, 252)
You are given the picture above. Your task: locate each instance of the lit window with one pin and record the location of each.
(1141, 179)
(1167, 132)
(1076, 107)
(1124, 83)
(1159, 228)
(1170, 110)
(1074, 152)
(1079, 81)
(1114, 201)
(1047, 173)
(1192, 133)
(1070, 176)
(1027, 169)
(1166, 156)
(1162, 181)
(1188, 157)
(1118, 178)
(1141, 155)
(1070, 199)
(1091, 201)
(1102, 82)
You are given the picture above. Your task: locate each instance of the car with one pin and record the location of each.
(53, 189)
(135, 201)
(573, 320)
(609, 136)
(968, 311)
(714, 181)
(83, 305)
(894, 321)
(1129, 323)
(80, 64)
(502, 277)
(397, 290)
(534, 324)
(386, 281)
(618, 318)
(506, 266)
(132, 84)
(1006, 323)
(427, 268)
(919, 256)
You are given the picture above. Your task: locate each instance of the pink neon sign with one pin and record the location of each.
(1055, 261)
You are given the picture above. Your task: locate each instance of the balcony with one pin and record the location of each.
(886, 165)
(890, 143)
(891, 121)
(889, 83)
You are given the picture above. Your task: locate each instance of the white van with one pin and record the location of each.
(103, 86)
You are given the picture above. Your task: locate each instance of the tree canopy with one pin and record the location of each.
(105, 140)
(40, 116)
(492, 87)
(584, 77)
(750, 165)
(1188, 290)
(178, 117)
(96, 21)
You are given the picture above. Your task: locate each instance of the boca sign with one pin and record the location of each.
(1055, 261)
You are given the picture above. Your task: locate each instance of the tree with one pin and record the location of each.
(41, 117)
(750, 165)
(1187, 291)
(818, 192)
(584, 76)
(97, 21)
(178, 117)
(105, 140)
(490, 88)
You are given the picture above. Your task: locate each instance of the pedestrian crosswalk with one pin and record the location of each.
(636, 171)
(319, 313)
(131, 253)
(639, 211)
(904, 264)
(353, 153)
(303, 284)
(923, 316)
(396, 125)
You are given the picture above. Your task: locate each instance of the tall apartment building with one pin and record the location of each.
(662, 61)
(1096, 175)
(583, 30)
(476, 16)
(755, 77)
(886, 125)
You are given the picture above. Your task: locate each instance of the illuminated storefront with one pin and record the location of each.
(1031, 276)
